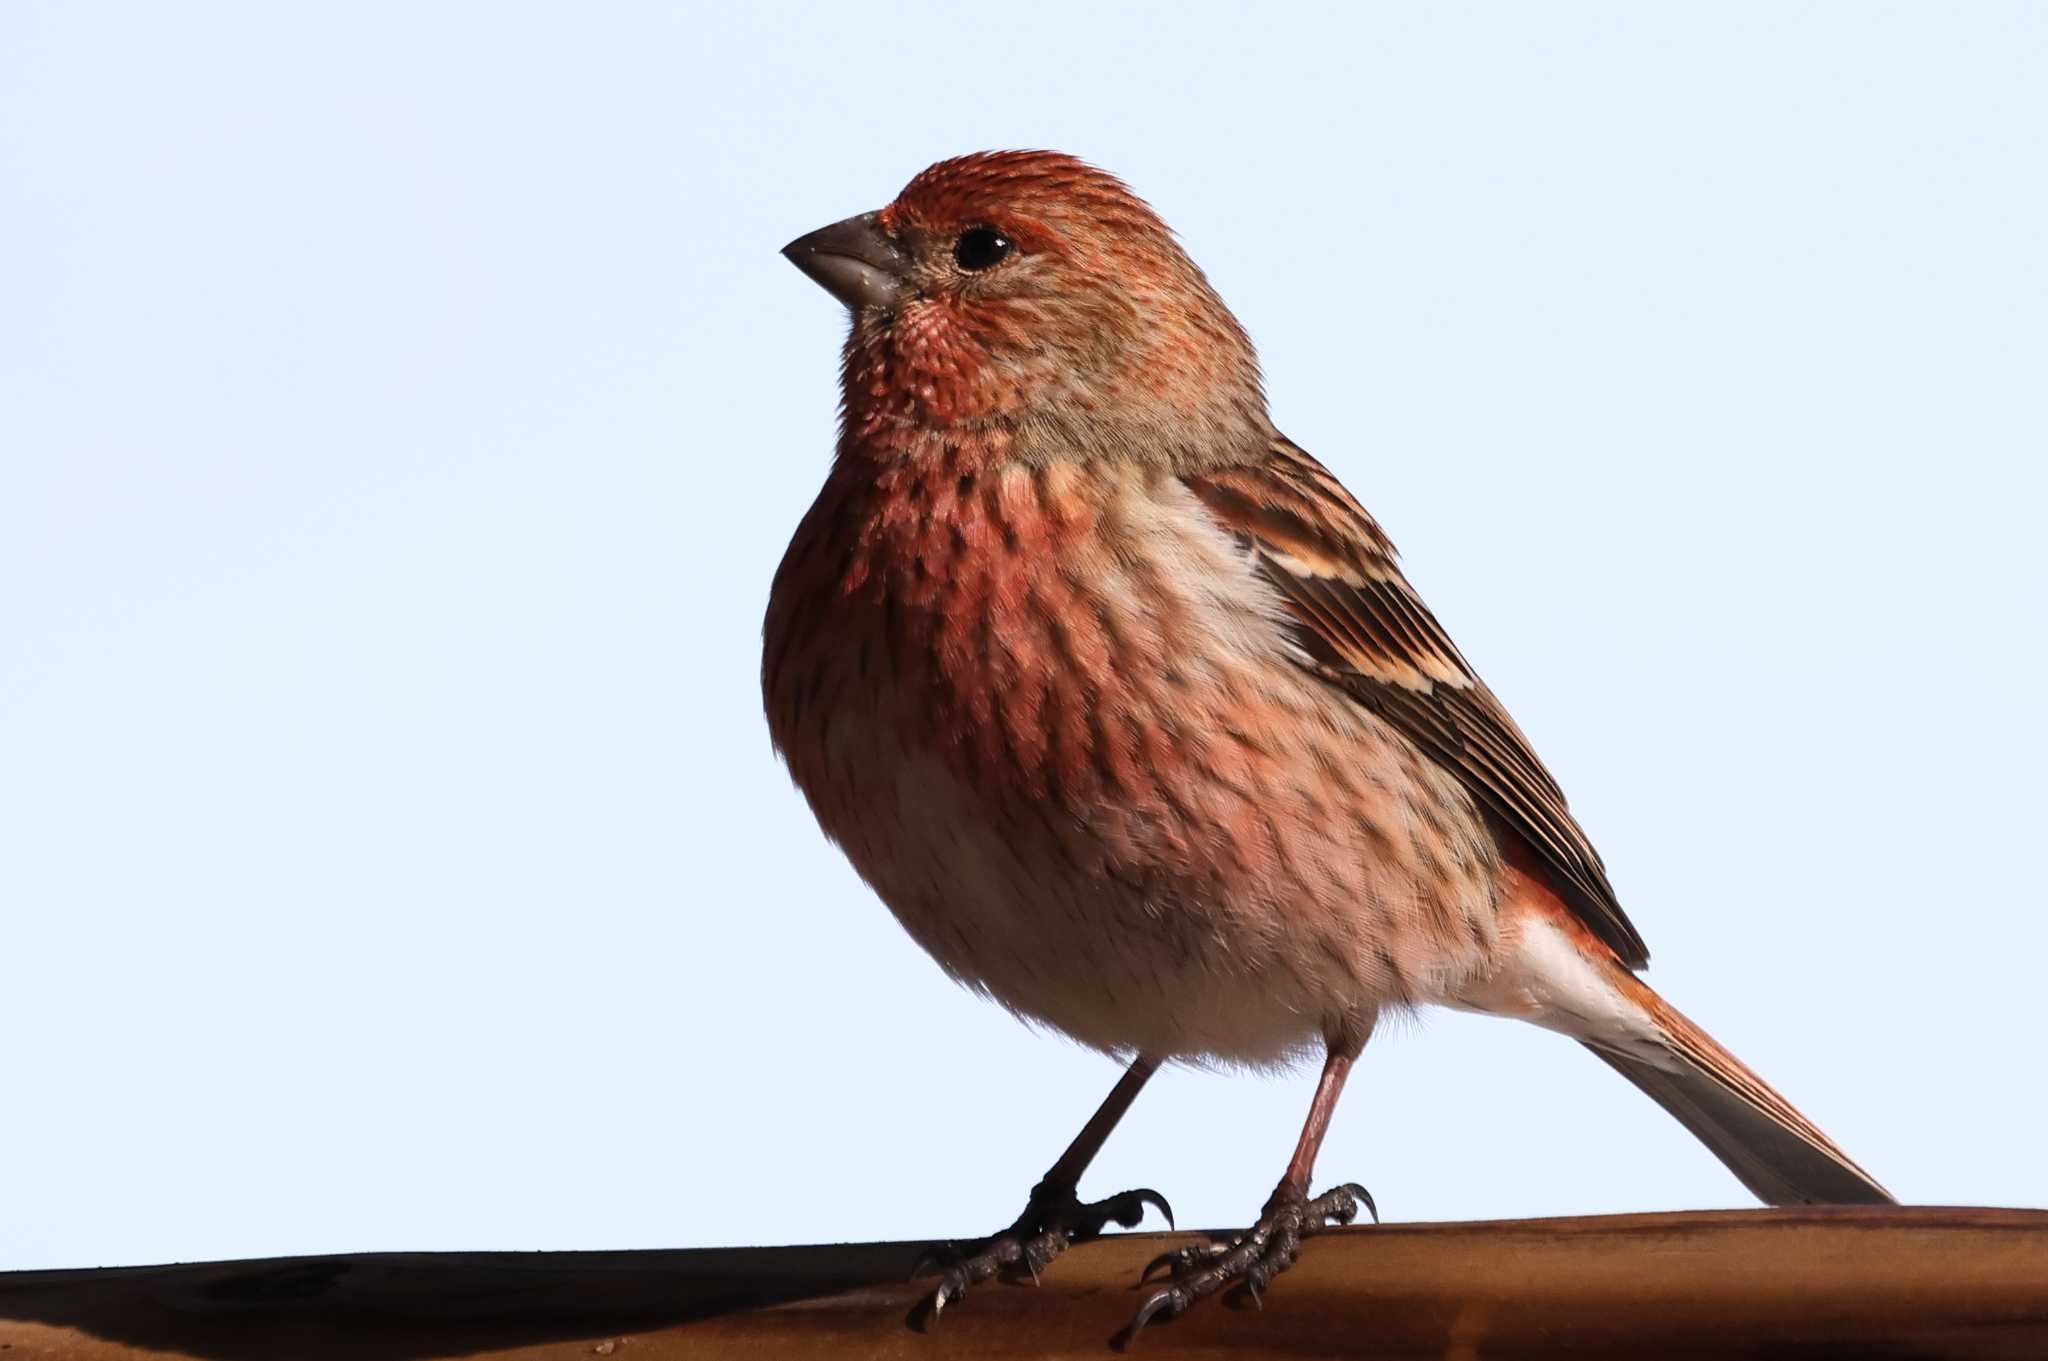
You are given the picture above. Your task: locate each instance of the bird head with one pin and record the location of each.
(1034, 300)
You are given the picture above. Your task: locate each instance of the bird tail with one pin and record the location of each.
(1776, 1152)
(1558, 975)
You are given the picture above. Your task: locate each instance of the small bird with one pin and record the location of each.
(1120, 702)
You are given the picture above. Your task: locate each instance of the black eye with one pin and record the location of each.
(981, 248)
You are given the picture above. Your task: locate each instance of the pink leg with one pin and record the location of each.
(1270, 1246)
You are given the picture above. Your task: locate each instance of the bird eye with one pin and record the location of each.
(981, 248)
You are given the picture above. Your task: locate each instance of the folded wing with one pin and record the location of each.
(1370, 634)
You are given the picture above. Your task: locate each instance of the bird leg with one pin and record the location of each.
(1270, 1246)
(1054, 1217)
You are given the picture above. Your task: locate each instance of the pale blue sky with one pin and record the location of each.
(402, 409)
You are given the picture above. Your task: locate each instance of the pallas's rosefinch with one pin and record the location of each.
(1119, 701)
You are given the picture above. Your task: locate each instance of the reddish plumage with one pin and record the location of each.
(1121, 703)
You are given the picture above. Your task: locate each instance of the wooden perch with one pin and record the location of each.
(1964, 1283)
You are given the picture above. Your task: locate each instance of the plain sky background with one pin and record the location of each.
(403, 408)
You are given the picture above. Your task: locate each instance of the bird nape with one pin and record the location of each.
(1122, 704)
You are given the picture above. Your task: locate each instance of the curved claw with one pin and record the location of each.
(1165, 1259)
(1126, 1209)
(1167, 1301)
(1147, 1196)
(949, 1289)
(1340, 1204)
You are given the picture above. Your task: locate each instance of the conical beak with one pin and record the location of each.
(854, 261)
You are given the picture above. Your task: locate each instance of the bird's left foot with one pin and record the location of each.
(1054, 1219)
(1259, 1254)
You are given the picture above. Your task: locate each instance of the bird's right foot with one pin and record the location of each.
(1053, 1220)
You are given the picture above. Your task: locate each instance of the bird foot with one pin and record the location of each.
(1053, 1220)
(1257, 1255)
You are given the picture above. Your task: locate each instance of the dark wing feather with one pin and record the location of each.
(1369, 633)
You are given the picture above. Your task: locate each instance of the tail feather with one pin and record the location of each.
(1561, 978)
(1781, 1164)
(1772, 1149)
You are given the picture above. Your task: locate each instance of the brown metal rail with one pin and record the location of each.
(1964, 1283)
